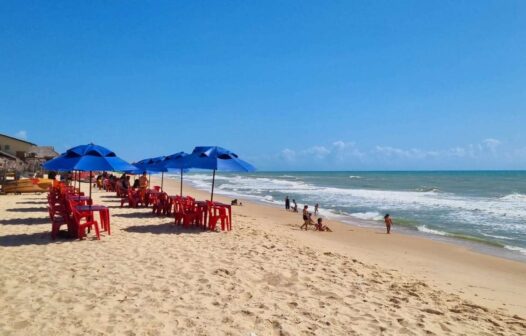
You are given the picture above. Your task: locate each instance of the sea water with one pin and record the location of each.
(485, 208)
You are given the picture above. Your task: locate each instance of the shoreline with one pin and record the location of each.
(494, 281)
(474, 243)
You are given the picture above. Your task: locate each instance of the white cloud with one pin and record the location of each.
(319, 152)
(469, 151)
(488, 153)
(288, 154)
(492, 144)
(412, 153)
(21, 135)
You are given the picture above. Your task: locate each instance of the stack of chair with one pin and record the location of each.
(63, 211)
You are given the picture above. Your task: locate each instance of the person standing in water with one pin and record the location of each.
(388, 223)
(287, 203)
(316, 209)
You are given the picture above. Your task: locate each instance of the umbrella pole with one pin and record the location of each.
(74, 184)
(149, 178)
(89, 201)
(213, 182)
(162, 180)
(181, 182)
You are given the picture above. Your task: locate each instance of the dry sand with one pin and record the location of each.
(266, 277)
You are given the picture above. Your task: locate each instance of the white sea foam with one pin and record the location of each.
(514, 197)
(425, 229)
(369, 215)
(355, 177)
(516, 248)
(496, 236)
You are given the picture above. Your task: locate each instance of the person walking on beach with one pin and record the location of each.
(306, 218)
(388, 223)
(295, 207)
(287, 203)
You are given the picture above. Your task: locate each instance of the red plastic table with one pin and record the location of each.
(228, 207)
(104, 214)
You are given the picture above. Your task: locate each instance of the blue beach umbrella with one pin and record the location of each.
(177, 161)
(217, 158)
(88, 158)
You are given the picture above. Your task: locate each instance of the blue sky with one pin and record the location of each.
(300, 85)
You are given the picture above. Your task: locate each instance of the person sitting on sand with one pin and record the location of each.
(321, 227)
(388, 222)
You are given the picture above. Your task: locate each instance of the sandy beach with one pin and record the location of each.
(266, 277)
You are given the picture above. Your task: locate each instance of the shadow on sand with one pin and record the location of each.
(27, 210)
(32, 202)
(133, 214)
(39, 238)
(112, 201)
(25, 221)
(116, 207)
(166, 228)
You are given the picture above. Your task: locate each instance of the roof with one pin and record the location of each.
(43, 151)
(10, 137)
(9, 156)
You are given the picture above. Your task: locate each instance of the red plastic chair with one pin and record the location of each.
(56, 222)
(88, 223)
(168, 206)
(133, 199)
(178, 211)
(218, 213)
(185, 212)
(159, 204)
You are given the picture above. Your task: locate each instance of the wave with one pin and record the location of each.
(355, 177)
(370, 215)
(521, 250)
(514, 197)
(428, 189)
(496, 236)
(425, 229)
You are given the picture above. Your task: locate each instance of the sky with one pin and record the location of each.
(287, 85)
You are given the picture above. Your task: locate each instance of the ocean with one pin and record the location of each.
(485, 210)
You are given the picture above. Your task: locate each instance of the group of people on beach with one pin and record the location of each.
(121, 183)
(307, 216)
(318, 225)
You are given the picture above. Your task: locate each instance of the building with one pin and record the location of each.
(9, 161)
(15, 146)
(37, 155)
(21, 155)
